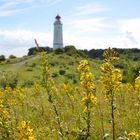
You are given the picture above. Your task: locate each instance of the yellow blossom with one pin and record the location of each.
(18, 92)
(89, 99)
(110, 77)
(137, 83)
(11, 102)
(65, 88)
(25, 132)
(133, 136)
(1, 103)
(92, 99)
(54, 91)
(36, 88)
(110, 55)
(86, 77)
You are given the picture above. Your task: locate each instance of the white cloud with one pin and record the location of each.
(19, 41)
(11, 7)
(89, 24)
(91, 33)
(89, 9)
(130, 33)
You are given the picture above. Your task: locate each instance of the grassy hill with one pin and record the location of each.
(69, 105)
(63, 68)
(27, 70)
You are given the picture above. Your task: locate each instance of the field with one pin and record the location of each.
(58, 96)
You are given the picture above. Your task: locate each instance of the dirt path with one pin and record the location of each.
(19, 64)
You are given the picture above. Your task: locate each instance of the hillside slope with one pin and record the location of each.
(27, 70)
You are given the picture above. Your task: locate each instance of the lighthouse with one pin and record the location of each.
(58, 33)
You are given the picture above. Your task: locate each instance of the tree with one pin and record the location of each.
(2, 58)
(12, 56)
(35, 50)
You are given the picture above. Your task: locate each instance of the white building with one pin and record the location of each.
(58, 33)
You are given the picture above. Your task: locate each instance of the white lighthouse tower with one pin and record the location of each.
(58, 35)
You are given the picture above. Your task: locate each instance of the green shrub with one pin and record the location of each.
(29, 69)
(2, 58)
(58, 51)
(54, 75)
(8, 78)
(33, 65)
(12, 56)
(70, 76)
(27, 83)
(62, 72)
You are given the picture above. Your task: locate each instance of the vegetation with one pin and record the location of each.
(35, 50)
(70, 97)
(12, 56)
(2, 58)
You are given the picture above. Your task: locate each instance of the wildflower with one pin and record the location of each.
(137, 83)
(89, 100)
(110, 55)
(19, 92)
(4, 121)
(65, 88)
(54, 91)
(36, 88)
(133, 136)
(51, 89)
(8, 90)
(86, 77)
(4, 114)
(1, 103)
(111, 79)
(92, 99)
(11, 102)
(25, 132)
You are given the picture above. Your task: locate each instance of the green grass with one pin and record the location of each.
(31, 70)
(28, 68)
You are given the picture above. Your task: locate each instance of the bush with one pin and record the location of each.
(35, 50)
(70, 76)
(8, 78)
(2, 58)
(12, 57)
(58, 51)
(72, 51)
(54, 75)
(33, 65)
(29, 69)
(62, 72)
(27, 83)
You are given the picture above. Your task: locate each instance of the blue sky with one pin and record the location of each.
(87, 24)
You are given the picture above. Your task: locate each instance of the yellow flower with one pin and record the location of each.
(83, 66)
(133, 136)
(90, 99)
(137, 83)
(36, 88)
(54, 91)
(86, 80)
(8, 90)
(18, 92)
(11, 102)
(65, 88)
(25, 132)
(110, 77)
(1, 103)
(110, 55)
